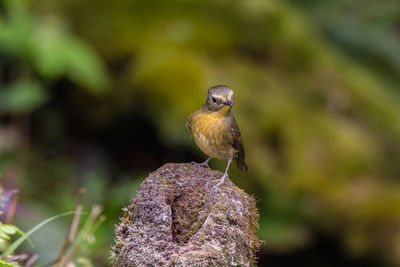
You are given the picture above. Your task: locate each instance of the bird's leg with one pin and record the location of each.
(203, 164)
(221, 181)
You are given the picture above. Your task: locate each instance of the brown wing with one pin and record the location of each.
(237, 144)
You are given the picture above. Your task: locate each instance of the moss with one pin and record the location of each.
(177, 220)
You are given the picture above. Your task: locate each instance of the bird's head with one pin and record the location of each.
(219, 97)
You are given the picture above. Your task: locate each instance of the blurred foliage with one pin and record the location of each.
(367, 31)
(97, 94)
(22, 42)
(6, 231)
(74, 247)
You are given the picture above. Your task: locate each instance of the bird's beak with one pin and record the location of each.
(228, 103)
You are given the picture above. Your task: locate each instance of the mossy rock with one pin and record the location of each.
(177, 219)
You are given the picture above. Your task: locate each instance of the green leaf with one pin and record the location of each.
(20, 240)
(8, 264)
(9, 229)
(63, 54)
(15, 32)
(50, 48)
(6, 230)
(4, 236)
(22, 97)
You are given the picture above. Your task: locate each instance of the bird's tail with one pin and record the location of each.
(241, 163)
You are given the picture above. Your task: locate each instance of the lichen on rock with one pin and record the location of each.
(176, 219)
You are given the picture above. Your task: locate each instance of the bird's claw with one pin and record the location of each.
(203, 164)
(221, 181)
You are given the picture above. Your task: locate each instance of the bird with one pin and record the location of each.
(215, 131)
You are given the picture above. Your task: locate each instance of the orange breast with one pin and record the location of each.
(212, 134)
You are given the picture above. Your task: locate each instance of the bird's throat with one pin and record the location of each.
(223, 111)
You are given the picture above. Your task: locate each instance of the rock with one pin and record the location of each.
(176, 219)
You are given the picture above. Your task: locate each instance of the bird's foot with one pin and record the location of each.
(199, 165)
(221, 181)
(203, 164)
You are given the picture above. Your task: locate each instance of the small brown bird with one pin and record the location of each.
(215, 131)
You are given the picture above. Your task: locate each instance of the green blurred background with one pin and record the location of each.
(96, 94)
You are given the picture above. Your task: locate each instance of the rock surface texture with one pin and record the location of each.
(176, 219)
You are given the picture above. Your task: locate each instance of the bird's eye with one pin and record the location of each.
(214, 100)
